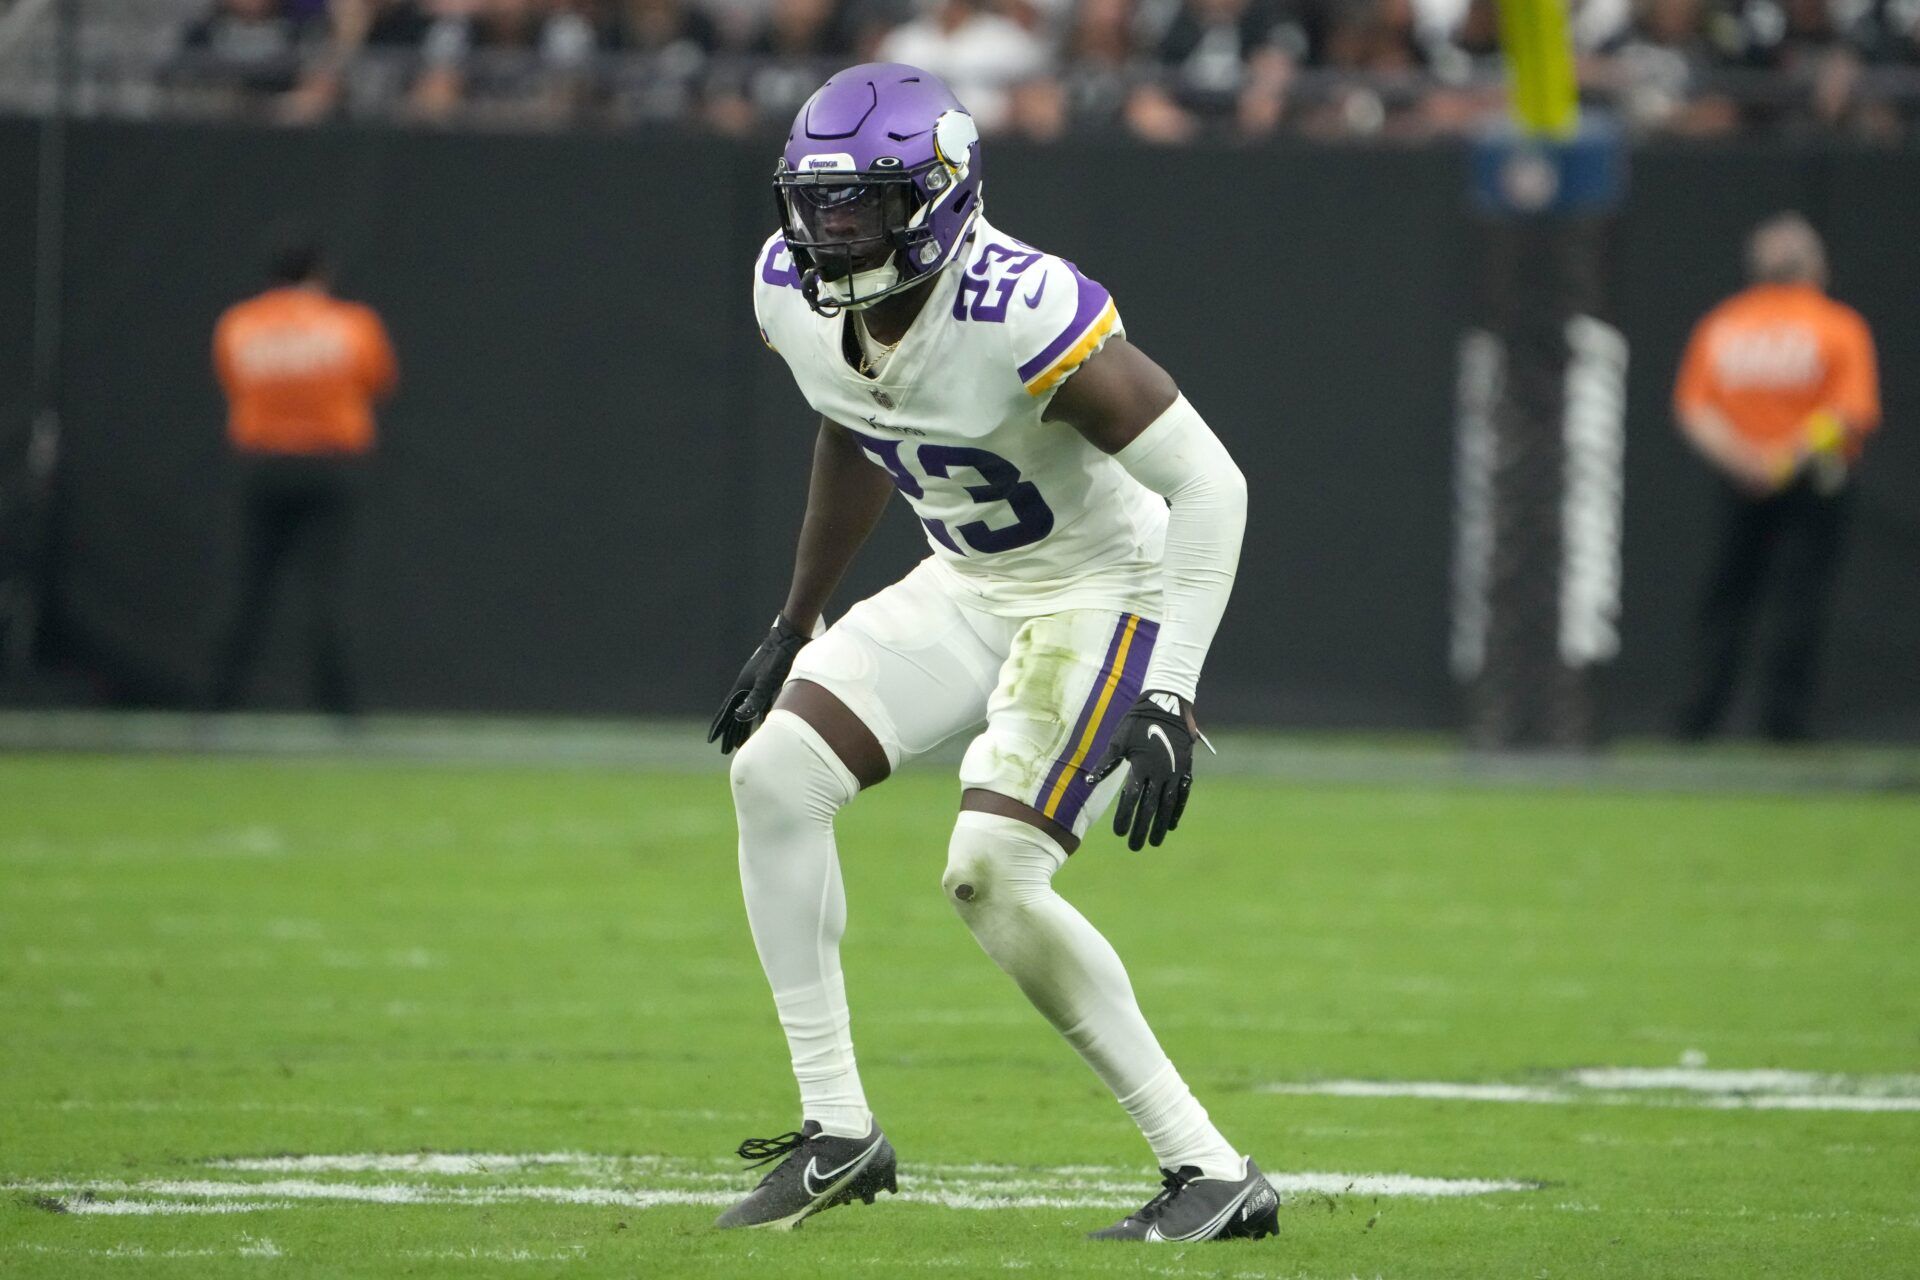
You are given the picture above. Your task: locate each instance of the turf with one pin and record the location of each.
(205, 960)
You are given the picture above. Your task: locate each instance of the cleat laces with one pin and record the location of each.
(1172, 1183)
(759, 1151)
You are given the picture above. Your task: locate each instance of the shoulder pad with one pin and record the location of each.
(774, 265)
(1054, 316)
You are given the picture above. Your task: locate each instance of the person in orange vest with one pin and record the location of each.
(1778, 391)
(302, 371)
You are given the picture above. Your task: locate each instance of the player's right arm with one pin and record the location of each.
(845, 498)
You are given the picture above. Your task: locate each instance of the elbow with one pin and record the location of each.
(1233, 492)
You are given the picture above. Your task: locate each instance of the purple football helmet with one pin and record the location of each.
(879, 184)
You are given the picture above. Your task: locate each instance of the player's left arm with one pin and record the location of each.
(1129, 407)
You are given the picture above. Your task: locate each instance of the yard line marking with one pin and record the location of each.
(672, 1182)
(143, 1208)
(251, 1247)
(408, 1162)
(1807, 1102)
(1084, 1179)
(182, 1104)
(1768, 1080)
(473, 1253)
(1445, 1091)
(1685, 1086)
(1392, 1184)
(1436, 1089)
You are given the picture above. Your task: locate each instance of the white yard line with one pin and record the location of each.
(249, 1247)
(409, 1162)
(1806, 1102)
(1448, 1091)
(473, 1253)
(158, 1105)
(1769, 1080)
(1684, 1086)
(1437, 1089)
(647, 1181)
(147, 1208)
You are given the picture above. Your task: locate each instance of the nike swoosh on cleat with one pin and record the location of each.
(1173, 761)
(825, 1182)
(1033, 299)
(1205, 1230)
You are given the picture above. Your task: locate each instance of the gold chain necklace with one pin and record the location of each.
(869, 365)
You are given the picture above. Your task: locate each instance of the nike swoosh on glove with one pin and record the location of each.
(755, 688)
(1152, 738)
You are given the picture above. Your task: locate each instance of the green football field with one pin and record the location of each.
(267, 1017)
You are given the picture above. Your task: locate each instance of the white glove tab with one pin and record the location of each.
(1179, 458)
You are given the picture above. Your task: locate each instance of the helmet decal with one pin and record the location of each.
(954, 135)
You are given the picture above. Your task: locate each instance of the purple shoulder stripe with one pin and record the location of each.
(1093, 300)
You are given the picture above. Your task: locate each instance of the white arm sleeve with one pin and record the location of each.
(1179, 458)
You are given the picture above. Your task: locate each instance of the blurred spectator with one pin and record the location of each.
(1099, 63)
(1885, 31)
(1169, 70)
(504, 61)
(984, 56)
(1658, 67)
(1466, 63)
(1379, 41)
(1226, 61)
(392, 31)
(247, 48)
(1772, 34)
(1778, 391)
(301, 371)
(799, 44)
(1816, 72)
(666, 46)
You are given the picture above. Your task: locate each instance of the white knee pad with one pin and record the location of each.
(996, 862)
(786, 775)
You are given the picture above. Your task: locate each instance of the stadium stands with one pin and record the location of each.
(1166, 70)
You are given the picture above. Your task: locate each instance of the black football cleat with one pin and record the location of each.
(1192, 1207)
(819, 1172)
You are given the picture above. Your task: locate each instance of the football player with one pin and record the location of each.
(1084, 525)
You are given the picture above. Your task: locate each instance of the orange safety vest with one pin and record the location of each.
(1770, 357)
(302, 371)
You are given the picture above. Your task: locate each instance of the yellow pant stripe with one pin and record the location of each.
(1085, 745)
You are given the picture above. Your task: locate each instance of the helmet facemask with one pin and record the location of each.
(848, 231)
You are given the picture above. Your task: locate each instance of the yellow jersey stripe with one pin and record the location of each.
(1079, 351)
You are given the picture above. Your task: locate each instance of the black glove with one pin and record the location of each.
(1154, 739)
(756, 686)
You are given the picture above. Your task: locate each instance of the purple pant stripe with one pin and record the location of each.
(1125, 694)
(1086, 710)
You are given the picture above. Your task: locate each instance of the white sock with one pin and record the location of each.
(1000, 879)
(1177, 1128)
(787, 785)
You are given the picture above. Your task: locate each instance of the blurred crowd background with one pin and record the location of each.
(1168, 71)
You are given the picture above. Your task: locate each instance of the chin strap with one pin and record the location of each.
(859, 291)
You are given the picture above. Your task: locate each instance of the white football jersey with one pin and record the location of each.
(1025, 516)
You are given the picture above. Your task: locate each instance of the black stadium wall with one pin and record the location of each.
(591, 478)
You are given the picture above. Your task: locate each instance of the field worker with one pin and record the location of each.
(1778, 390)
(302, 371)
